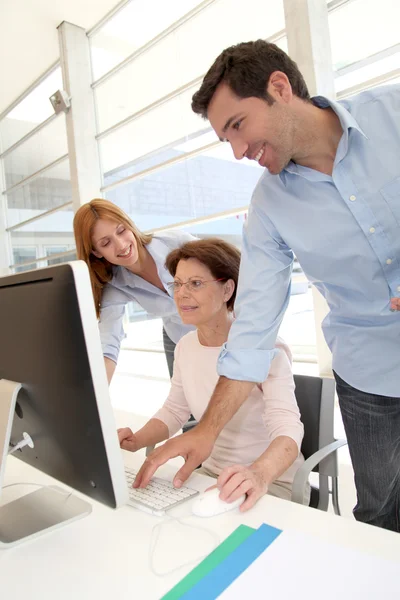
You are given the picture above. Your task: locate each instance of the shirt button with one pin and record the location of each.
(352, 198)
(372, 229)
(389, 261)
(398, 288)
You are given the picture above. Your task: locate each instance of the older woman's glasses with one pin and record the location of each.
(193, 285)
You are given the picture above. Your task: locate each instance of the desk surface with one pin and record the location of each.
(106, 555)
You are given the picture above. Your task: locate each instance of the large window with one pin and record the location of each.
(147, 130)
(54, 251)
(23, 254)
(162, 163)
(145, 105)
(209, 183)
(181, 54)
(48, 190)
(31, 112)
(132, 28)
(365, 42)
(38, 207)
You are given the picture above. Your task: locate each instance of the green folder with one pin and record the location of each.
(210, 562)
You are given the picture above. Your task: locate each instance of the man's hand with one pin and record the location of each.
(194, 446)
(395, 303)
(237, 480)
(127, 439)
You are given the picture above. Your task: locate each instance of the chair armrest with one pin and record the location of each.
(303, 473)
(150, 449)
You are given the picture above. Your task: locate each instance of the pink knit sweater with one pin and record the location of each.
(269, 411)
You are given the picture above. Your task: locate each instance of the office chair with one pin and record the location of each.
(316, 400)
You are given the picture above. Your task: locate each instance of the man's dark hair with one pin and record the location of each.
(246, 68)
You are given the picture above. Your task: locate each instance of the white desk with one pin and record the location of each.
(105, 556)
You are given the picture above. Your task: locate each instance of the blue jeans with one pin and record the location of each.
(372, 425)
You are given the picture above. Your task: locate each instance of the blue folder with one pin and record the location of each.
(217, 580)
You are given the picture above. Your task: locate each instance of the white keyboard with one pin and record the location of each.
(159, 496)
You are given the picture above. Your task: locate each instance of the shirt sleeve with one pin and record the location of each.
(281, 414)
(176, 238)
(111, 322)
(262, 298)
(175, 410)
(185, 237)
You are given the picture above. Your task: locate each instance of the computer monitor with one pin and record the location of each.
(53, 387)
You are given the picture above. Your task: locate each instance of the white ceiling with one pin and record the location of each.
(29, 40)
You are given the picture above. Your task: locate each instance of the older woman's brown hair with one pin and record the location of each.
(221, 258)
(99, 268)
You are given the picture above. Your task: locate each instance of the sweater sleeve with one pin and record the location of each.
(175, 410)
(281, 414)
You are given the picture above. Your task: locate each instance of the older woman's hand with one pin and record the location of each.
(237, 480)
(127, 439)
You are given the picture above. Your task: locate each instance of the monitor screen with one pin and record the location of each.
(50, 344)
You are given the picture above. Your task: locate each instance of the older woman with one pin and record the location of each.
(258, 451)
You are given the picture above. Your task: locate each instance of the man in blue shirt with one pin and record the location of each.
(331, 195)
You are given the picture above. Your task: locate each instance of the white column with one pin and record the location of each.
(80, 119)
(309, 45)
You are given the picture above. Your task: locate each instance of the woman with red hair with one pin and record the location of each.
(126, 264)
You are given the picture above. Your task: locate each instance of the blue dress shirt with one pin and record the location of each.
(125, 286)
(345, 231)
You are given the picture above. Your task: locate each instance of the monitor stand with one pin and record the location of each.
(38, 512)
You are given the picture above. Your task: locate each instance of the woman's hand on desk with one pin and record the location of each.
(127, 439)
(237, 480)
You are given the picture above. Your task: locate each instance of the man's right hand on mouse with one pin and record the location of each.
(194, 446)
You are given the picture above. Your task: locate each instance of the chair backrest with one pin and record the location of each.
(315, 397)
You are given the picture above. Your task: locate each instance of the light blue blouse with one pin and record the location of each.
(125, 286)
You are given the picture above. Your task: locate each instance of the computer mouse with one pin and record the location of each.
(210, 504)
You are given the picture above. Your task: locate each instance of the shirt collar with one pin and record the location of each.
(157, 249)
(346, 119)
(347, 122)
